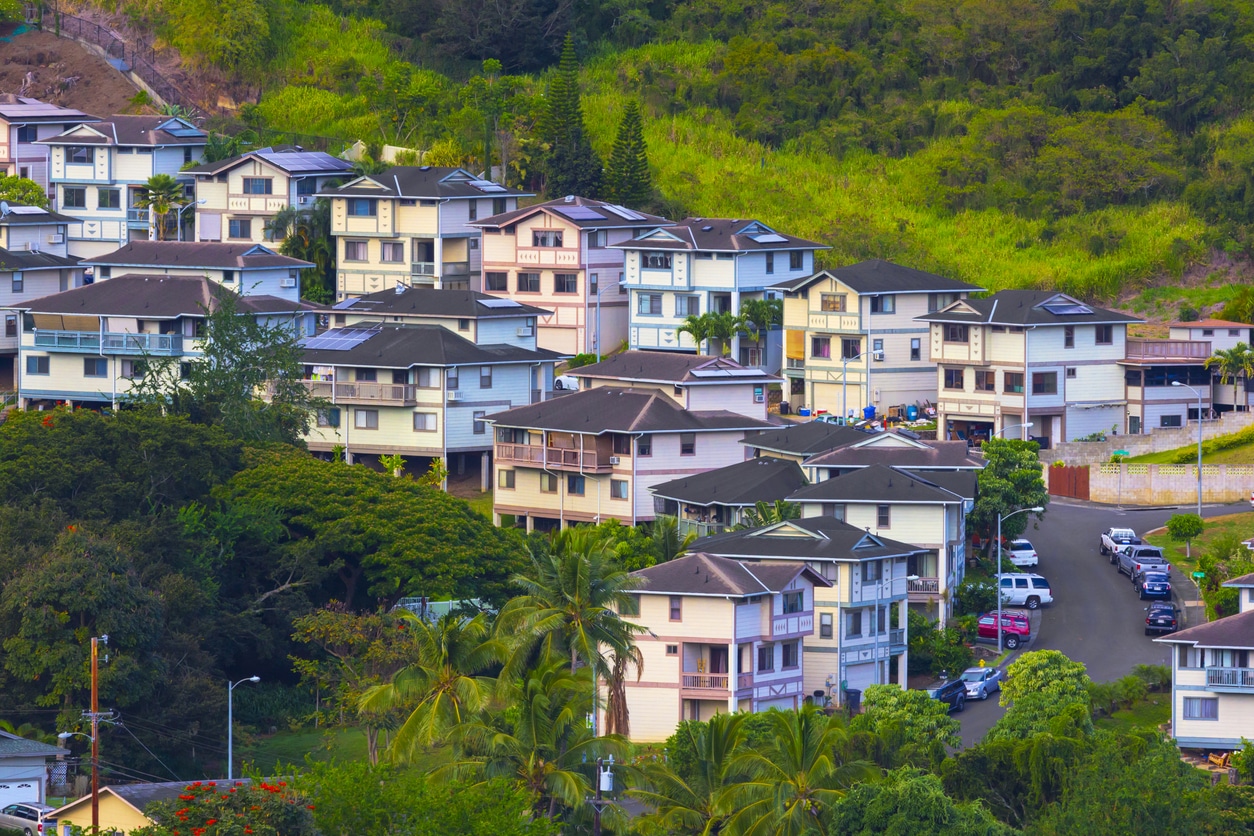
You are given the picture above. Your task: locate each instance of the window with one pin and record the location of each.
(656, 261)
(424, 422)
(496, 282)
(620, 444)
(1169, 421)
(575, 485)
(498, 205)
(821, 347)
(793, 601)
(649, 304)
(425, 378)
(832, 302)
(677, 608)
(1201, 708)
(1044, 383)
(355, 251)
(957, 333)
(687, 306)
(366, 419)
(1132, 377)
(883, 516)
(672, 650)
(261, 185)
(940, 301)
(796, 260)
(528, 282)
(463, 324)
(766, 658)
(853, 624)
(37, 365)
(132, 369)
(366, 375)
(328, 417)
(19, 282)
(505, 479)
(1234, 332)
(850, 348)
(790, 655)
(109, 198)
(644, 445)
(473, 209)
(80, 154)
(597, 239)
(630, 605)
(1103, 334)
(870, 570)
(229, 276)
(770, 263)
(884, 304)
(915, 349)
(238, 228)
(1068, 336)
(592, 283)
(10, 325)
(877, 350)
(27, 133)
(618, 489)
(1208, 332)
(392, 252)
(548, 483)
(1071, 372)
(953, 379)
(1012, 382)
(985, 381)
(565, 283)
(687, 444)
(361, 207)
(306, 186)
(546, 238)
(74, 198)
(479, 427)
(825, 625)
(485, 377)
(95, 367)
(451, 380)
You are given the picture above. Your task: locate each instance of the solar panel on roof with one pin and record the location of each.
(623, 212)
(344, 305)
(726, 373)
(579, 213)
(499, 303)
(339, 339)
(1067, 308)
(27, 210)
(769, 238)
(487, 186)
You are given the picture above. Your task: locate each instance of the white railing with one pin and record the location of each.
(709, 681)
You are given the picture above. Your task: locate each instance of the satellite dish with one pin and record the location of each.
(4, 208)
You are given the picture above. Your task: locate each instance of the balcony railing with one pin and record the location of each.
(708, 681)
(1168, 350)
(744, 680)
(112, 343)
(137, 215)
(457, 268)
(896, 636)
(1237, 678)
(925, 586)
(556, 457)
(701, 529)
(401, 394)
(796, 364)
(422, 268)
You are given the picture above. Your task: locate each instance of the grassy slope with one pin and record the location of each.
(342, 744)
(1242, 525)
(1242, 454)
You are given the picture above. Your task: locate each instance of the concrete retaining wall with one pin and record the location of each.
(1156, 441)
(1169, 484)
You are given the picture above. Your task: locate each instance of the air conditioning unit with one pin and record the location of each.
(55, 238)
(288, 282)
(525, 331)
(614, 459)
(453, 395)
(305, 199)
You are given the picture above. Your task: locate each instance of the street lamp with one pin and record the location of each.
(1000, 627)
(1199, 441)
(1027, 426)
(230, 724)
(844, 382)
(184, 209)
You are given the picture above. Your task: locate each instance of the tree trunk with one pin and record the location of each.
(372, 745)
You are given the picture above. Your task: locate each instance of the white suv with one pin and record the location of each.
(1021, 554)
(1019, 589)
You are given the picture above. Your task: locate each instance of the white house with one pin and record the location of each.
(246, 268)
(24, 768)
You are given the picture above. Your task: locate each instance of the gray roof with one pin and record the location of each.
(23, 109)
(708, 574)
(402, 346)
(879, 276)
(12, 746)
(197, 255)
(719, 235)
(943, 455)
(876, 484)
(28, 215)
(134, 130)
(583, 212)
(141, 795)
(805, 439)
(433, 302)
(812, 538)
(1235, 631)
(423, 181)
(289, 158)
(672, 367)
(1026, 307)
(152, 297)
(965, 483)
(742, 483)
(610, 409)
(12, 260)
(1241, 581)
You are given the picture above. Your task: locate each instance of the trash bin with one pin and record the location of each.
(804, 412)
(783, 408)
(853, 700)
(868, 413)
(912, 413)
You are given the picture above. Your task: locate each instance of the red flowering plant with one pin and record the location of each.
(256, 807)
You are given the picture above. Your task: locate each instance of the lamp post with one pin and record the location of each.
(1199, 441)
(1026, 426)
(95, 780)
(1038, 509)
(183, 209)
(844, 382)
(230, 724)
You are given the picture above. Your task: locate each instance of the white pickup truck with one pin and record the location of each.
(1114, 539)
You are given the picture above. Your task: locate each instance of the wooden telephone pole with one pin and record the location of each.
(95, 731)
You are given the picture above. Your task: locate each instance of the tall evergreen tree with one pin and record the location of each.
(572, 166)
(627, 179)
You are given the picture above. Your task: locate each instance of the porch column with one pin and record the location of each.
(485, 471)
(438, 267)
(903, 616)
(735, 343)
(530, 523)
(733, 662)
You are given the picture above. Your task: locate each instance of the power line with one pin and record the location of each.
(172, 734)
(149, 751)
(130, 769)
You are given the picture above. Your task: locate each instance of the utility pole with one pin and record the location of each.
(95, 731)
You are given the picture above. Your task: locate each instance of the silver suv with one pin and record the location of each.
(1020, 589)
(29, 817)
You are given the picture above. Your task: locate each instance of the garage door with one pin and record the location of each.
(860, 676)
(26, 790)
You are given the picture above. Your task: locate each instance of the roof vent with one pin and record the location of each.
(424, 168)
(706, 228)
(570, 198)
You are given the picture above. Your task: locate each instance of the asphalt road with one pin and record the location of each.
(1096, 618)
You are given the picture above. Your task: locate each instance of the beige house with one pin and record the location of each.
(801, 442)
(558, 255)
(694, 381)
(412, 225)
(710, 502)
(239, 197)
(24, 121)
(722, 636)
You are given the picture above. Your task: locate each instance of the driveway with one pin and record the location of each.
(1096, 618)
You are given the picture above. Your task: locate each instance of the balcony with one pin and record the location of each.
(422, 268)
(1230, 679)
(387, 394)
(704, 681)
(795, 364)
(137, 216)
(744, 680)
(93, 342)
(792, 624)
(457, 268)
(1167, 351)
(923, 589)
(558, 458)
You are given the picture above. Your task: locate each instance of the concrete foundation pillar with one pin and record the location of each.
(485, 472)
(530, 523)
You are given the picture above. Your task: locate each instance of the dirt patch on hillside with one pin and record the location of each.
(61, 71)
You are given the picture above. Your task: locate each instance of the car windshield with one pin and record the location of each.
(1021, 546)
(973, 676)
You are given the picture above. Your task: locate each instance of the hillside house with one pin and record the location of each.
(694, 381)
(711, 502)
(23, 122)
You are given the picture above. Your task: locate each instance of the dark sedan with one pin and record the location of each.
(1161, 617)
(1153, 585)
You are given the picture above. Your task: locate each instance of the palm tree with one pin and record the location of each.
(444, 685)
(696, 326)
(617, 720)
(724, 326)
(306, 234)
(667, 544)
(804, 770)
(1232, 364)
(160, 194)
(767, 513)
(758, 315)
(699, 804)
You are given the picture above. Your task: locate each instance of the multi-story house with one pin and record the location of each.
(98, 170)
(860, 621)
(1151, 371)
(1212, 679)
(559, 254)
(721, 636)
(801, 442)
(694, 381)
(1028, 356)
(701, 265)
(592, 455)
(247, 269)
(23, 122)
(710, 502)
(239, 197)
(851, 339)
(89, 346)
(411, 225)
(478, 317)
(894, 448)
(1219, 335)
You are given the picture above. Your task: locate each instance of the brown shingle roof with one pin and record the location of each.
(671, 367)
(808, 439)
(421, 181)
(707, 574)
(742, 483)
(937, 454)
(610, 409)
(720, 235)
(1235, 631)
(197, 254)
(135, 130)
(152, 297)
(609, 219)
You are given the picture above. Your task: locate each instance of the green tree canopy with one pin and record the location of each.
(915, 725)
(910, 802)
(572, 167)
(21, 191)
(627, 178)
(1011, 479)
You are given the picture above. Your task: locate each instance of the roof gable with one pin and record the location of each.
(659, 235)
(890, 439)
(787, 528)
(83, 131)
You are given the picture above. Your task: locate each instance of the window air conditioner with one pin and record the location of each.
(288, 282)
(614, 459)
(525, 331)
(453, 395)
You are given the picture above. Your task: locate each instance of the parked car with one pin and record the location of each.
(952, 692)
(1021, 554)
(1134, 560)
(30, 817)
(1015, 628)
(1162, 617)
(1114, 538)
(1151, 584)
(565, 381)
(981, 682)
(1020, 589)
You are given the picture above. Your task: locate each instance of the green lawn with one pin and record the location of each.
(1241, 525)
(482, 504)
(1148, 714)
(341, 744)
(1233, 455)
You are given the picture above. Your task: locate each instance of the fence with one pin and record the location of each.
(1167, 484)
(1069, 481)
(1096, 452)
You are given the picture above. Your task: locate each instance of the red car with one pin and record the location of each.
(1015, 628)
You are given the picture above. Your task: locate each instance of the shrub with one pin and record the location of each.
(1130, 690)
(1155, 677)
(586, 359)
(975, 596)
